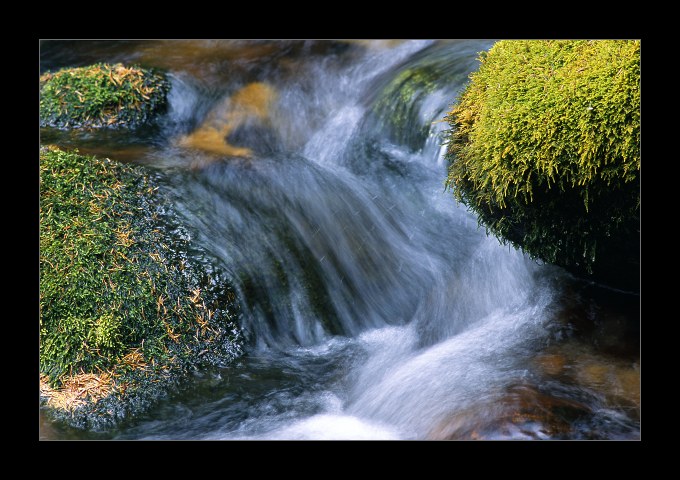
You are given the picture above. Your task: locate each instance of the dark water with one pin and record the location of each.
(374, 306)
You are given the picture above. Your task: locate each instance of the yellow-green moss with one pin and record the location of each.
(545, 148)
(101, 95)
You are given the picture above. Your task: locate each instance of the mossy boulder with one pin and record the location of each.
(128, 306)
(101, 95)
(545, 148)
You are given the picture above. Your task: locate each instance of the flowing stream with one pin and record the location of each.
(374, 305)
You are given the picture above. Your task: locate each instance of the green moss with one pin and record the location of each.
(120, 290)
(400, 101)
(545, 148)
(400, 107)
(101, 95)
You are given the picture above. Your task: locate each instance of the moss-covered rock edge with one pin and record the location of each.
(128, 305)
(102, 95)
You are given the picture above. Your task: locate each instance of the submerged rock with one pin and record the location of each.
(128, 305)
(238, 126)
(399, 103)
(401, 107)
(615, 380)
(521, 411)
(101, 95)
(545, 147)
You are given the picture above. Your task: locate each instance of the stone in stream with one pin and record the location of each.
(551, 364)
(101, 95)
(128, 305)
(399, 103)
(595, 348)
(243, 118)
(616, 381)
(544, 147)
(520, 411)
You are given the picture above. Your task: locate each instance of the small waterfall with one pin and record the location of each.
(374, 305)
(351, 235)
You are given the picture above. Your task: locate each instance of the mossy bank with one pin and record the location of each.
(545, 148)
(102, 95)
(128, 306)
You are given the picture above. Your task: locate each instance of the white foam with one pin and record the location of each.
(334, 427)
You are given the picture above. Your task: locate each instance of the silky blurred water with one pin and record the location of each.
(374, 305)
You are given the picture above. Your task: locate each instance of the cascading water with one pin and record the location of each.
(374, 306)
